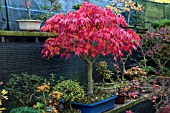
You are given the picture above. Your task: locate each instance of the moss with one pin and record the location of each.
(26, 33)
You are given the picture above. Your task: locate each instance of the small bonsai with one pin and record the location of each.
(27, 5)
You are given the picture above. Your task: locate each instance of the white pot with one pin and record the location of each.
(29, 25)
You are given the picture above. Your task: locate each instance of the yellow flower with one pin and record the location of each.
(5, 97)
(1, 109)
(44, 87)
(4, 92)
(40, 88)
(56, 94)
(50, 101)
(34, 106)
(55, 111)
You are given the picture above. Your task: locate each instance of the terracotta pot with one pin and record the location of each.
(120, 99)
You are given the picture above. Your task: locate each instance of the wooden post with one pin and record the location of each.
(36, 39)
(3, 39)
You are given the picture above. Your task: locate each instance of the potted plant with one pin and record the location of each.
(28, 24)
(99, 102)
(73, 97)
(96, 107)
(122, 87)
(88, 37)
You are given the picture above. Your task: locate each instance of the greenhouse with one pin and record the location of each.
(84, 56)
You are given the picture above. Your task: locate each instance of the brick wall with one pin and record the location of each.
(16, 58)
(26, 57)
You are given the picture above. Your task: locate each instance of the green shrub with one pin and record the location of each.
(161, 23)
(71, 91)
(23, 88)
(24, 110)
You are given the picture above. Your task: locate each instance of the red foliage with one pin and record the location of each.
(89, 31)
(165, 109)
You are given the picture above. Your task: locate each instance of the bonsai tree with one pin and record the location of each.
(88, 32)
(156, 45)
(27, 4)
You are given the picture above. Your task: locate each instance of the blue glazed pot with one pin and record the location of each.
(96, 107)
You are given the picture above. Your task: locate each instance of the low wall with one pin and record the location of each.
(25, 57)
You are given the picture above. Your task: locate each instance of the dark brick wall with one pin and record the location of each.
(26, 57)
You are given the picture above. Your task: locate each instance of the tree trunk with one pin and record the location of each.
(160, 66)
(90, 79)
(128, 18)
(29, 14)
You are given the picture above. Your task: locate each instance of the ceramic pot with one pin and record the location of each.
(120, 99)
(29, 25)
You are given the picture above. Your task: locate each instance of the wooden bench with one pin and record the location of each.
(4, 34)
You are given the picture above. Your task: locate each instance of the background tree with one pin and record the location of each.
(89, 32)
(156, 45)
